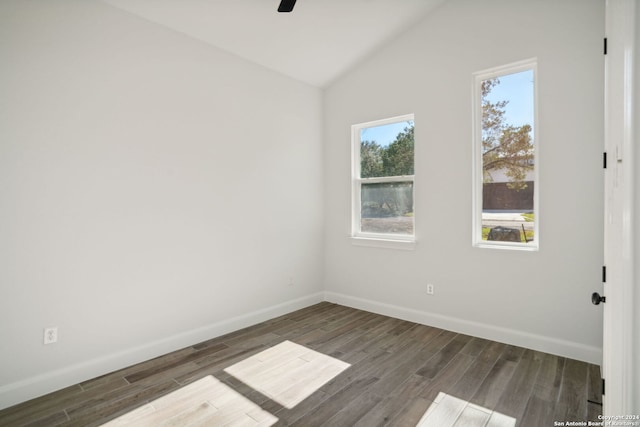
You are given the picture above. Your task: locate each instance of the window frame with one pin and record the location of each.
(477, 169)
(384, 240)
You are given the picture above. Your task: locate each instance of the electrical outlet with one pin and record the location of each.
(429, 289)
(50, 335)
(290, 282)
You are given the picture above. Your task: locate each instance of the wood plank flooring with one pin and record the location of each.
(397, 373)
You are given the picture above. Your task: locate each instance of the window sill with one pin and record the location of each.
(507, 246)
(407, 245)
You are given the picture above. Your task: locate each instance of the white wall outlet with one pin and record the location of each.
(429, 288)
(50, 335)
(290, 281)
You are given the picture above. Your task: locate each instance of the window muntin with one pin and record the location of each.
(505, 208)
(383, 176)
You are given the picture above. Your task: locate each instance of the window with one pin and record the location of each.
(383, 174)
(505, 206)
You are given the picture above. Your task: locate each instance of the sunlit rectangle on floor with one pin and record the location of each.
(206, 402)
(450, 411)
(287, 373)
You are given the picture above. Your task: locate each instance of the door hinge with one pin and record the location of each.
(604, 274)
(603, 386)
(604, 160)
(605, 45)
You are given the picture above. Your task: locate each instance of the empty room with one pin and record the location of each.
(319, 212)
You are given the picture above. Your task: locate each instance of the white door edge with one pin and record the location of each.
(618, 340)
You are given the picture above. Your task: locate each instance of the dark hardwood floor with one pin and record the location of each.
(398, 370)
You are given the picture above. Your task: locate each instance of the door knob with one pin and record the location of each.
(597, 299)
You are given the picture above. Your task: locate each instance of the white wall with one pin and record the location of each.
(536, 299)
(154, 192)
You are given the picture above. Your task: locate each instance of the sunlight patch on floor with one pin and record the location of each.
(450, 411)
(287, 373)
(206, 402)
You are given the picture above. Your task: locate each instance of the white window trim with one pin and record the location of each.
(378, 240)
(477, 176)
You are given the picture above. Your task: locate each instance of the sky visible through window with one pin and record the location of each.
(385, 134)
(516, 88)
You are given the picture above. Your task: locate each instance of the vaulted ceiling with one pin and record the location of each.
(315, 43)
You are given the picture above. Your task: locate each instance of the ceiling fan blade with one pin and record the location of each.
(286, 5)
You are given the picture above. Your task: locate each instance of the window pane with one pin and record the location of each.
(386, 150)
(508, 155)
(387, 208)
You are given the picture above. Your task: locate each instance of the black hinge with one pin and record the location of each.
(605, 45)
(604, 160)
(603, 386)
(604, 274)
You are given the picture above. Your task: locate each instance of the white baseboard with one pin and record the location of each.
(555, 346)
(39, 385)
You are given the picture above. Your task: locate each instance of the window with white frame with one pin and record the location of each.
(505, 205)
(382, 176)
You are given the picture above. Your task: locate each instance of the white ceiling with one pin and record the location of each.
(315, 43)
